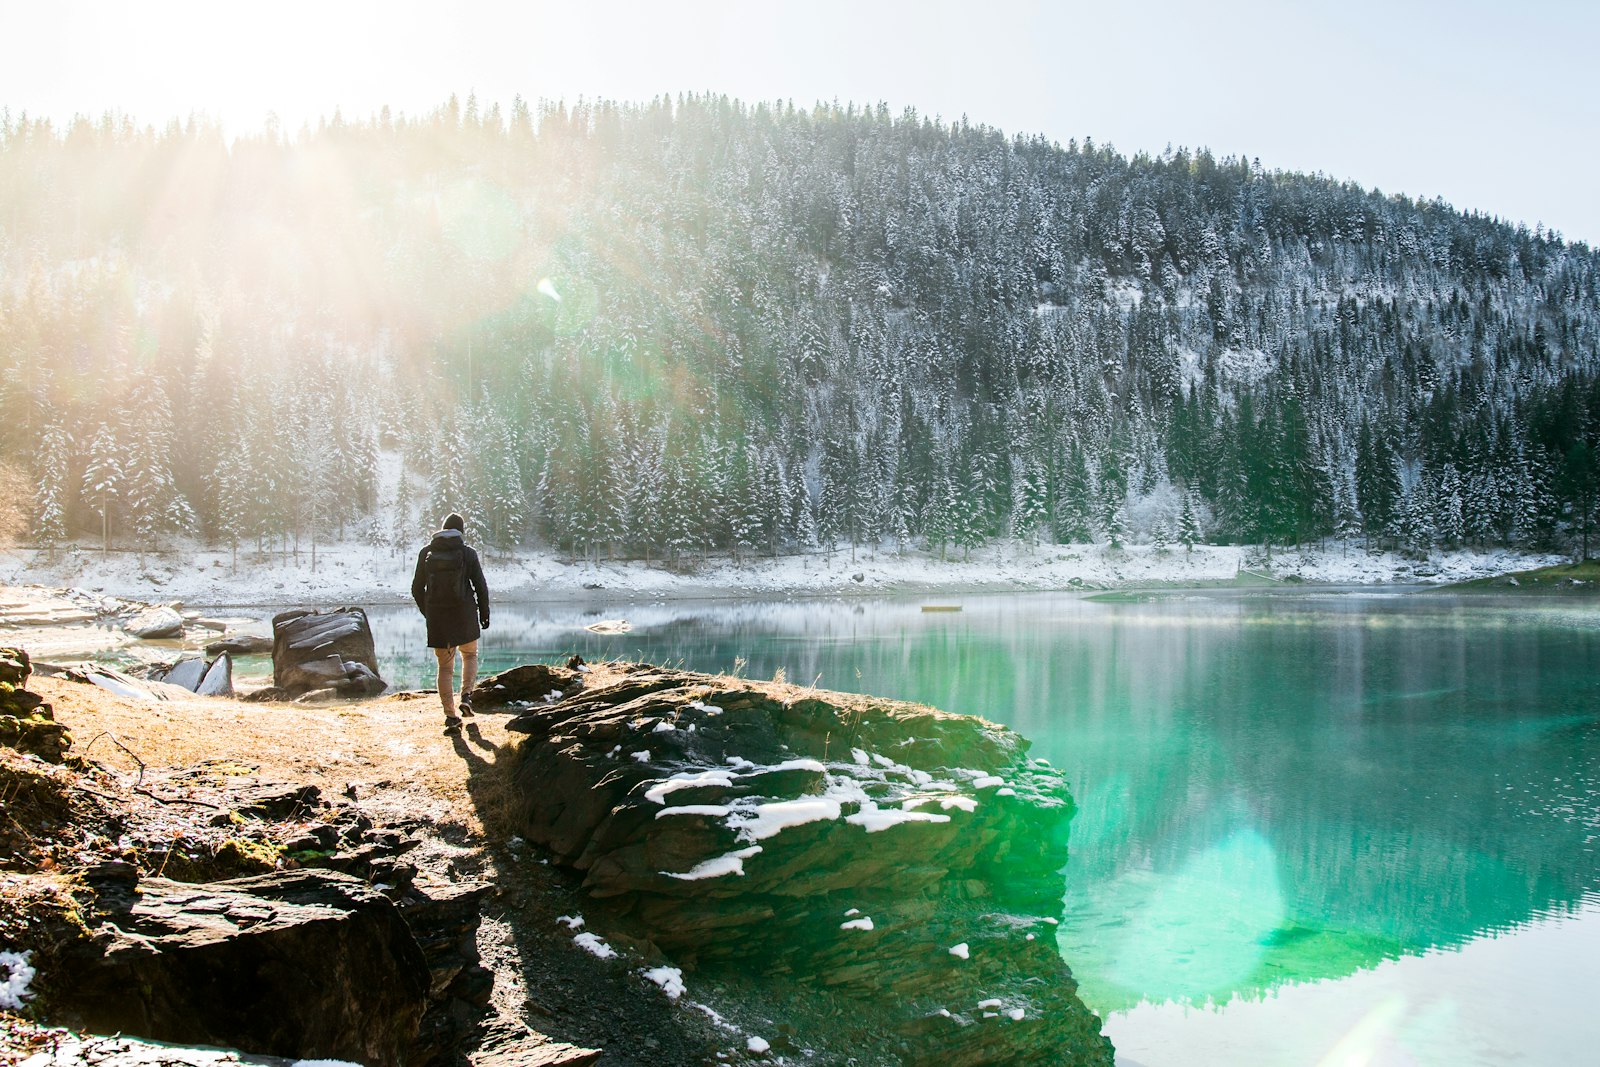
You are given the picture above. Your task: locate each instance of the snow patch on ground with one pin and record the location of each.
(670, 979)
(592, 944)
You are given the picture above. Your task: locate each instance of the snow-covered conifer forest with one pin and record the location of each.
(699, 326)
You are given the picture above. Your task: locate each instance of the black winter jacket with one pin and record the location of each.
(455, 616)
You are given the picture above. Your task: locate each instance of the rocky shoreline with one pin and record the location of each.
(116, 879)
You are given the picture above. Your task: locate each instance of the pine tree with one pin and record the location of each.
(1189, 533)
(50, 497)
(102, 479)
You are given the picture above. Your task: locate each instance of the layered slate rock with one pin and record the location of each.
(333, 650)
(899, 861)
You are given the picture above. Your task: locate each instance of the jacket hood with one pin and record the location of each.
(447, 539)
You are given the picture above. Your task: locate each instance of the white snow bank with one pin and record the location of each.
(663, 727)
(961, 951)
(571, 922)
(670, 979)
(863, 923)
(757, 1045)
(1017, 1013)
(994, 1002)
(356, 573)
(643, 755)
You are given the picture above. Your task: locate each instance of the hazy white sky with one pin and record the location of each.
(1495, 107)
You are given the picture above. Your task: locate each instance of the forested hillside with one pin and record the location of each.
(703, 326)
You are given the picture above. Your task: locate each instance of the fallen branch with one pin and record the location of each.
(178, 800)
(131, 753)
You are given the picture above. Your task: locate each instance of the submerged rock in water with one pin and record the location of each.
(332, 649)
(900, 860)
(240, 645)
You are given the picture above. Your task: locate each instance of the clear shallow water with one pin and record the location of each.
(1320, 828)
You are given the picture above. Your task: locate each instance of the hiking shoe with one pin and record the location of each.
(465, 707)
(452, 724)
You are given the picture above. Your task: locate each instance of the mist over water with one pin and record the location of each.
(1315, 827)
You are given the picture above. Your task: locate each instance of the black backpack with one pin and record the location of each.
(447, 576)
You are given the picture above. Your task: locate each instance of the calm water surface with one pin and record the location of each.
(1314, 829)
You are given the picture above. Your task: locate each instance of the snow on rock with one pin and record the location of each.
(670, 979)
(711, 810)
(717, 866)
(875, 819)
(961, 951)
(766, 820)
(571, 922)
(863, 923)
(861, 758)
(663, 727)
(757, 1045)
(992, 1002)
(1016, 1013)
(643, 755)
(987, 781)
(658, 793)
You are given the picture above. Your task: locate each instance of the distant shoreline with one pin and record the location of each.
(359, 574)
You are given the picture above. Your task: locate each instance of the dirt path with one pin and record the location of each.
(391, 745)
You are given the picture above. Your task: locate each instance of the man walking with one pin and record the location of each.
(450, 592)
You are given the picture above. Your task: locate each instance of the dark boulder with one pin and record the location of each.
(900, 858)
(531, 683)
(313, 650)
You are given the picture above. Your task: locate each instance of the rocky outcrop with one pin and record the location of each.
(27, 722)
(333, 650)
(901, 859)
(312, 964)
(346, 955)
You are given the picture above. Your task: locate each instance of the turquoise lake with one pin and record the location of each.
(1339, 828)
